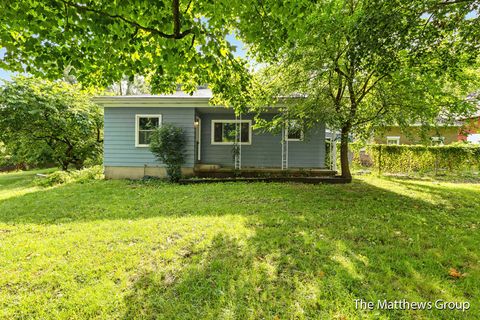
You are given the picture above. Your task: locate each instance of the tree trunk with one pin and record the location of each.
(78, 164)
(65, 166)
(345, 165)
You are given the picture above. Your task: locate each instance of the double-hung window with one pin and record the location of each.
(145, 125)
(393, 140)
(294, 131)
(230, 131)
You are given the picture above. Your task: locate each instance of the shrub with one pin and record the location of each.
(63, 177)
(167, 144)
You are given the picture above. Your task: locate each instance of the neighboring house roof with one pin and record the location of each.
(200, 93)
(473, 116)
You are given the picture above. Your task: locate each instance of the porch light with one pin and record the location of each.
(195, 124)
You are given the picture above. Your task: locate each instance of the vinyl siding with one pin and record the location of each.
(266, 148)
(119, 137)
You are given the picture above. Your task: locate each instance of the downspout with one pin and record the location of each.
(240, 146)
(333, 153)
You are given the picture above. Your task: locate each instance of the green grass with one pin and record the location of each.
(120, 249)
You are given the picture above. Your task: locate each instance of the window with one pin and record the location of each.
(224, 131)
(393, 140)
(144, 127)
(437, 141)
(294, 131)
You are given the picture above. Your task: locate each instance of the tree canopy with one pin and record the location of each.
(359, 64)
(101, 41)
(45, 121)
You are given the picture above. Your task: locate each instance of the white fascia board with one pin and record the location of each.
(155, 101)
(135, 101)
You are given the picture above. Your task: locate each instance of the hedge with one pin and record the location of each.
(418, 158)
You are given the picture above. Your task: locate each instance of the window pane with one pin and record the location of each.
(295, 134)
(229, 132)
(148, 123)
(144, 137)
(217, 133)
(245, 132)
(294, 130)
(393, 142)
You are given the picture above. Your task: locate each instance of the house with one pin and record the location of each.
(444, 132)
(470, 130)
(415, 134)
(211, 135)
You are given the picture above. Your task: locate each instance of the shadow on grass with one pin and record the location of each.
(313, 251)
(313, 263)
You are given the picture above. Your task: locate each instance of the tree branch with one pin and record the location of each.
(370, 88)
(330, 86)
(446, 3)
(380, 111)
(176, 17)
(365, 84)
(177, 34)
(188, 6)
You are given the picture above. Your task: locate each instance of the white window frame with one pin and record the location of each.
(289, 139)
(137, 127)
(212, 129)
(437, 139)
(396, 138)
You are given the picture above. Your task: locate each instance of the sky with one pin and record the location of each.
(5, 75)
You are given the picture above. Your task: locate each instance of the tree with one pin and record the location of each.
(168, 144)
(358, 64)
(99, 42)
(42, 120)
(126, 86)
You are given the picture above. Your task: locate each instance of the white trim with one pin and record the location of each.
(160, 101)
(137, 127)
(134, 101)
(199, 130)
(288, 139)
(396, 138)
(173, 104)
(212, 129)
(284, 150)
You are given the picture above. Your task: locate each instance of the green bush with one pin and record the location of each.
(168, 144)
(63, 177)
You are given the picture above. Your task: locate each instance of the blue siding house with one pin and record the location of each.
(129, 121)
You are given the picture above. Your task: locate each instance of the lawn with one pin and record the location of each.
(122, 249)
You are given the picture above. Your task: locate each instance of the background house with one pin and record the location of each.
(462, 129)
(415, 134)
(470, 131)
